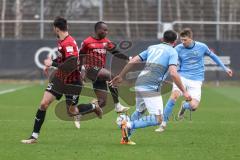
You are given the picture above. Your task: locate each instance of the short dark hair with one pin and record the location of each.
(60, 23)
(98, 24)
(169, 36)
(186, 32)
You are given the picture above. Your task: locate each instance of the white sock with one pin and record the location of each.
(129, 125)
(163, 124)
(35, 135)
(117, 104)
(94, 106)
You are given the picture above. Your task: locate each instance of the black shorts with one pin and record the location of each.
(92, 74)
(71, 91)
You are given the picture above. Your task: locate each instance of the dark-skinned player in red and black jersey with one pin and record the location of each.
(66, 80)
(93, 59)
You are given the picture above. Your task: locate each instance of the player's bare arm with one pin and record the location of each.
(176, 78)
(118, 79)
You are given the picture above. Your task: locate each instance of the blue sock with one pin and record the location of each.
(186, 105)
(136, 115)
(145, 121)
(168, 109)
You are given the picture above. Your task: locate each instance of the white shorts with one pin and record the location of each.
(153, 104)
(193, 88)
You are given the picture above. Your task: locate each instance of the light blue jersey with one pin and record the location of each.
(157, 58)
(192, 60)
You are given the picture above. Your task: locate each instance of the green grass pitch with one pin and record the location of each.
(213, 133)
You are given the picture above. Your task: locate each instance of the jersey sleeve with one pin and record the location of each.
(143, 55)
(214, 57)
(173, 59)
(178, 48)
(110, 46)
(69, 49)
(83, 48)
(208, 52)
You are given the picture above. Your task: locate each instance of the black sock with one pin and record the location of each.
(114, 93)
(39, 119)
(85, 108)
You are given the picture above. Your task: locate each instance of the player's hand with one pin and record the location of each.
(45, 70)
(230, 72)
(116, 81)
(83, 75)
(187, 96)
(48, 62)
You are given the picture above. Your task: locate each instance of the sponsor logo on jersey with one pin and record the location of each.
(100, 51)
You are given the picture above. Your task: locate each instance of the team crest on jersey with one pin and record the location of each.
(195, 53)
(69, 49)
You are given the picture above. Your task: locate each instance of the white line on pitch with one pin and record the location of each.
(12, 90)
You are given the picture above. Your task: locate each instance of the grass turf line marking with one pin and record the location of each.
(12, 90)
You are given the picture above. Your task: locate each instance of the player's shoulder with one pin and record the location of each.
(69, 40)
(89, 39)
(179, 46)
(107, 40)
(154, 46)
(200, 44)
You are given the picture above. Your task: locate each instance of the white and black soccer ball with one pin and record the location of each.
(120, 118)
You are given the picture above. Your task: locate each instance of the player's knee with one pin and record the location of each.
(72, 110)
(159, 119)
(194, 109)
(194, 106)
(104, 75)
(44, 105)
(174, 97)
(102, 102)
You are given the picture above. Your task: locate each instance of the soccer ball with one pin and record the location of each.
(120, 118)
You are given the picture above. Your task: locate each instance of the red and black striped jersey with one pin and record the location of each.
(67, 48)
(93, 51)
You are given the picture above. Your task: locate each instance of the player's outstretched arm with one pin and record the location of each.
(216, 59)
(119, 78)
(176, 79)
(48, 63)
(120, 55)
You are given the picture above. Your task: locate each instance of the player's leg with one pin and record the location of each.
(100, 89)
(47, 99)
(72, 93)
(176, 93)
(194, 89)
(140, 109)
(154, 106)
(80, 109)
(170, 104)
(105, 75)
(72, 109)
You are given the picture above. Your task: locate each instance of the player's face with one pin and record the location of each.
(186, 41)
(56, 31)
(102, 31)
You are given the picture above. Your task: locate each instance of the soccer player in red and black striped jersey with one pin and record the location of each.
(66, 80)
(93, 57)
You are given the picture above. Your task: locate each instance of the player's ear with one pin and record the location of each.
(56, 29)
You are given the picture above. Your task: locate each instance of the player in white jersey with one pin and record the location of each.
(191, 58)
(159, 60)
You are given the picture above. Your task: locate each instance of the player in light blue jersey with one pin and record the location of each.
(191, 59)
(159, 60)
